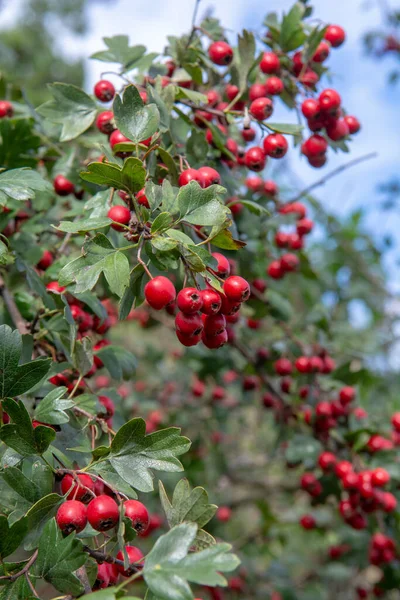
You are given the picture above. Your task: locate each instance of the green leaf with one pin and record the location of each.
(133, 118)
(202, 206)
(196, 97)
(15, 135)
(17, 481)
(58, 558)
(188, 506)
(20, 434)
(51, 409)
(161, 223)
(71, 107)
(83, 355)
(225, 240)
(21, 184)
(280, 307)
(11, 537)
(131, 177)
(119, 51)
(17, 379)
(133, 295)
(133, 453)
(197, 146)
(288, 128)
(99, 256)
(169, 566)
(292, 34)
(254, 207)
(246, 57)
(16, 590)
(315, 37)
(303, 449)
(84, 225)
(163, 109)
(120, 363)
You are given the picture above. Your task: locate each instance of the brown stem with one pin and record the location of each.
(12, 308)
(100, 557)
(26, 568)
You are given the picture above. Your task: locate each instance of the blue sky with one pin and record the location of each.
(361, 81)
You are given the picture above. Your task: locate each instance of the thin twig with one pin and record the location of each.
(26, 568)
(12, 308)
(107, 558)
(194, 17)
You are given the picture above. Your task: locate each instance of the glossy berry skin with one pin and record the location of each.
(117, 138)
(274, 86)
(188, 340)
(211, 302)
(103, 513)
(55, 287)
(46, 261)
(120, 214)
(214, 325)
(335, 35)
(236, 289)
(353, 124)
(104, 90)
(329, 100)
(77, 492)
(395, 420)
(213, 97)
(283, 367)
(304, 226)
(275, 270)
(134, 555)
(159, 292)
(270, 63)
(302, 364)
(347, 395)
(109, 406)
(142, 198)
(71, 516)
(307, 522)
(255, 159)
(257, 90)
(321, 53)
(189, 301)
(104, 121)
(380, 477)
(6, 109)
(190, 175)
(223, 267)
(310, 108)
(261, 108)
(138, 514)
(289, 262)
(216, 341)
(248, 134)
(103, 576)
(210, 176)
(223, 514)
(314, 146)
(270, 188)
(63, 186)
(220, 53)
(189, 325)
(338, 130)
(327, 461)
(275, 145)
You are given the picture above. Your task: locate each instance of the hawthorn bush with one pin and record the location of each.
(146, 273)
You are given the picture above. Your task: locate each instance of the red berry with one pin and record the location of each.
(248, 134)
(275, 270)
(353, 124)
(6, 109)
(295, 241)
(261, 108)
(117, 138)
(142, 198)
(281, 239)
(270, 188)
(134, 555)
(321, 53)
(302, 364)
(77, 492)
(104, 121)
(63, 186)
(236, 289)
(310, 78)
(335, 35)
(395, 420)
(216, 341)
(270, 63)
(159, 292)
(189, 301)
(103, 513)
(257, 90)
(214, 325)
(254, 184)
(275, 145)
(338, 130)
(138, 514)
(210, 176)
(220, 53)
(274, 86)
(304, 226)
(189, 325)
(104, 90)
(380, 477)
(329, 100)
(71, 516)
(46, 261)
(190, 175)
(255, 159)
(231, 91)
(211, 302)
(119, 214)
(327, 460)
(314, 146)
(55, 287)
(283, 366)
(109, 405)
(310, 108)
(347, 395)
(289, 262)
(308, 522)
(223, 267)
(213, 97)
(342, 468)
(317, 161)
(224, 514)
(102, 577)
(188, 340)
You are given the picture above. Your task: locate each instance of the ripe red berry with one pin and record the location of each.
(281, 239)
(254, 184)
(104, 121)
(337, 130)
(236, 289)
(395, 420)
(138, 514)
(347, 395)
(270, 63)
(63, 186)
(257, 90)
(220, 53)
(261, 108)
(190, 175)
(310, 108)
(302, 364)
(335, 35)
(223, 267)
(309, 79)
(117, 138)
(102, 577)
(317, 161)
(211, 302)
(283, 366)
(109, 405)
(103, 513)
(329, 100)
(46, 261)
(314, 146)
(327, 461)
(71, 516)
(6, 109)
(321, 53)
(159, 292)
(255, 159)
(304, 226)
(289, 262)
(214, 325)
(213, 97)
(77, 492)
(223, 514)
(275, 145)
(55, 287)
(210, 176)
(308, 522)
(380, 477)
(275, 270)
(231, 91)
(104, 90)
(342, 468)
(189, 325)
(274, 86)
(188, 340)
(270, 188)
(353, 124)
(134, 555)
(189, 301)
(120, 214)
(215, 341)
